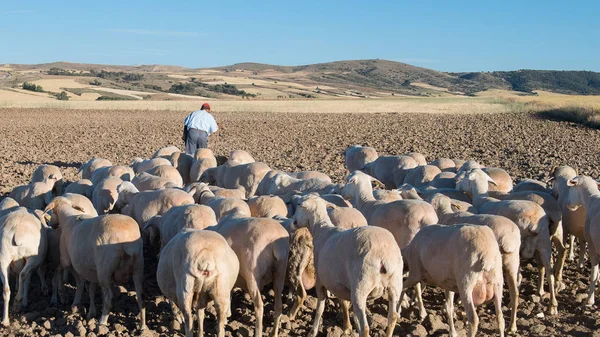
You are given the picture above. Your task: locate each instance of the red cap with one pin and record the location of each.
(205, 106)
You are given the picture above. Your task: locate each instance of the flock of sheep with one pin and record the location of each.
(451, 224)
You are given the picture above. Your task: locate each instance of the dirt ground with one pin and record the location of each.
(522, 144)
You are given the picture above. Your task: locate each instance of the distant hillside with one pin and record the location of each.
(358, 78)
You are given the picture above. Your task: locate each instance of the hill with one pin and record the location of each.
(340, 79)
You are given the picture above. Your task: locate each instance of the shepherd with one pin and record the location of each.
(197, 126)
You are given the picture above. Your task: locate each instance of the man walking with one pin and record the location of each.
(197, 126)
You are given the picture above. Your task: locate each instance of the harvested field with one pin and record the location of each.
(523, 144)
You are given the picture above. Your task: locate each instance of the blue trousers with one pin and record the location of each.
(195, 139)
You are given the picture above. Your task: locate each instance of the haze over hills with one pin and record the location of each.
(340, 79)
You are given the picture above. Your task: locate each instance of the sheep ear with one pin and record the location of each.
(455, 205)
(79, 208)
(50, 206)
(490, 180)
(550, 179)
(192, 190)
(152, 222)
(332, 206)
(175, 159)
(52, 177)
(571, 182)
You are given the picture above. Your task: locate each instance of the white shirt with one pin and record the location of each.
(201, 120)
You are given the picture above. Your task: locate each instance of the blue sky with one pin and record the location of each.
(443, 35)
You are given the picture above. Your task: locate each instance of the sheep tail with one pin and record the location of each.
(203, 265)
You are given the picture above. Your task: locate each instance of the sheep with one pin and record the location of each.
(34, 195)
(449, 192)
(23, 248)
(445, 164)
(503, 180)
(444, 180)
(8, 205)
(421, 175)
(467, 166)
(232, 175)
(387, 195)
(531, 185)
(204, 159)
(573, 220)
(125, 173)
(341, 216)
(168, 173)
(300, 273)
(81, 186)
(221, 206)
(140, 165)
(463, 258)
(267, 206)
(241, 157)
(409, 192)
(527, 215)
(183, 163)
(390, 170)
(49, 172)
(195, 267)
(88, 168)
(353, 265)
(404, 218)
(148, 182)
(227, 193)
(583, 192)
(105, 195)
(282, 184)
(418, 157)
(262, 247)
(166, 152)
(304, 175)
(507, 235)
(144, 205)
(101, 250)
(553, 210)
(357, 157)
(166, 226)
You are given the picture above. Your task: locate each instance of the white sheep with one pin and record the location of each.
(418, 157)
(390, 170)
(8, 205)
(232, 175)
(220, 205)
(194, 268)
(241, 157)
(147, 182)
(444, 179)
(81, 186)
(124, 173)
(509, 241)
(460, 258)
(583, 192)
(304, 175)
(22, 249)
(530, 217)
(421, 175)
(267, 206)
(204, 159)
(281, 183)
(88, 168)
(144, 205)
(168, 174)
(102, 250)
(353, 265)
(445, 164)
(140, 165)
(166, 152)
(35, 195)
(183, 163)
(166, 226)
(105, 195)
(531, 185)
(43, 173)
(357, 157)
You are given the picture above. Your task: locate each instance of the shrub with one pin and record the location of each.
(32, 87)
(115, 98)
(587, 116)
(95, 82)
(62, 96)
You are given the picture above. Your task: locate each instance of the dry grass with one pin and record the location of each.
(583, 115)
(405, 105)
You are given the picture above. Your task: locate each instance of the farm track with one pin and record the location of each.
(523, 144)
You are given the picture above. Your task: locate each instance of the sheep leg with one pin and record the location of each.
(545, 255)
(581, 254)
(393, 299)
(24, 279)
(561, 256)
(138, 282)
(419, 296)
(258, 305)
(5, 293)
(300, 298)
(107, 297)
(321, 297)
(344, 305)
(278, 284)
(92, 291)
(498, 307)
(223, 304)
(79, 291)
(541, 272)
(359, 305)
(41, 272)
(571, 255)
(56, 278)
(450, 312)
(200, 317)
(466, 297)
(513, 289)
(177, 316)
(594, 258)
